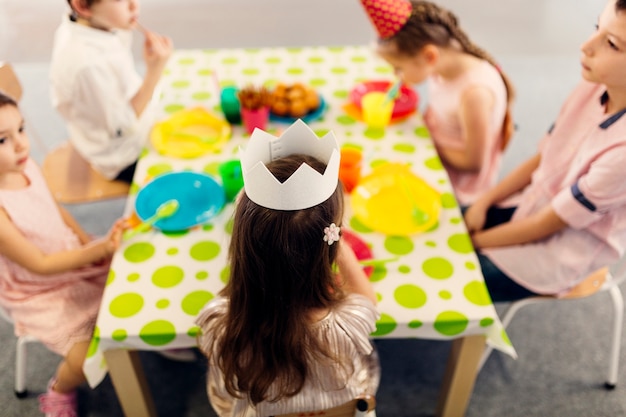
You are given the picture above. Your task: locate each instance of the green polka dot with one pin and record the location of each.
(205, 72)
(193, 302)
(186, 61)
(341, 94)
(404, 269)
(505, 337)
(451, 323)
(250, 71)
(415, 324)
(404, 148)
(383, 70)
(470, 266)
(95, 341)
(126, 305)
(486, 322)
(163, 303)
(201, 95)
(158, 333)
(273, 60)
(293, 50)
(119, 335)
(385, 325)
(202, 275)
(321, 132)
(167, 276)
(172, 251)
(438, 268)
(460, 243)
(110, 277)
(193, 331)
(173, 108)
(455, 220)
(181, 84)
(139, 252)
(317, 82)
(431, 244)
(422, 132)
(204, 251)
(133, 277)
(229, 61)
(134, 189)
(339, 70)
(208, 227)
(379, 297)
(378, 162)
(358, 59)
(212, 168)
(225, 275)
(410, 296)
(228, 227)
(448, 200)
(159, 169)
(316, 60)
(295, 71)
(445, 295)
(378, 274)
(346, 120)
(434, 163)
(374, 133)
(476, 293)
(399, 245)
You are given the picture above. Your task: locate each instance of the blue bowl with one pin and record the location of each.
(199, 196)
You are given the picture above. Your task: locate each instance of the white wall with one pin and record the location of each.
(502, 27)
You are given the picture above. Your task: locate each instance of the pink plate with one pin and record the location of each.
(360, 248)
(405, 104)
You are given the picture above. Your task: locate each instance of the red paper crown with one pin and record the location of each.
(388, 16)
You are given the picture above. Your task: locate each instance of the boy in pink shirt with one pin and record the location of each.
(571, 219)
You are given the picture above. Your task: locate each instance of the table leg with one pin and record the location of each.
(130, 383)
(458, 381)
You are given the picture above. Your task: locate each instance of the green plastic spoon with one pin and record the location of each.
(167, 209)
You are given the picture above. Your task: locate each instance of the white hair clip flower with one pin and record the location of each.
(331, 233)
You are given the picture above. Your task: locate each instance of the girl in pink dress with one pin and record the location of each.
(52, 274)
(469, 97)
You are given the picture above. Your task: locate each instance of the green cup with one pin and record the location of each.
(232, 178)
(230, 105)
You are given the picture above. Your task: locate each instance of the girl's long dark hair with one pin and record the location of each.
(432, 24)
(281, 270)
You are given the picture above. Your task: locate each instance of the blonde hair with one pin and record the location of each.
(432, 24)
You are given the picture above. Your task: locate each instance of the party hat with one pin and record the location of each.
(388, 16)
(305, 187)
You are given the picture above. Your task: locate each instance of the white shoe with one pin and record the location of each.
(180, 355)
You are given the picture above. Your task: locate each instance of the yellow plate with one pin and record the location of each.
(190, 133)
(394, 201)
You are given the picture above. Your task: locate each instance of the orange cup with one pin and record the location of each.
(350, 168)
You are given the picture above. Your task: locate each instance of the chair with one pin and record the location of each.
(20, 359)
(72, 180)
(359, 407)
(604, 279)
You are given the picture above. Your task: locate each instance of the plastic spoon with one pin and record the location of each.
(167, 209)
(377, 262)
(392, 93)
(419, 216)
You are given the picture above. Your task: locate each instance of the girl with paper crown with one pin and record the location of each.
(288, 334)
(469, 97)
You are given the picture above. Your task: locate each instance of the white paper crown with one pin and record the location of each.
(306, 187)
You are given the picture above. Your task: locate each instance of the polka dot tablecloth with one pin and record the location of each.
(160, 281)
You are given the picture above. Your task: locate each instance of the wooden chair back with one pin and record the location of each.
(9, 83)
(72, 180)
(356, 408)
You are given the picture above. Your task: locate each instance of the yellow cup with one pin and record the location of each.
(376, 109)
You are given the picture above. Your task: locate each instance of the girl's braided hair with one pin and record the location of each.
(431, 24)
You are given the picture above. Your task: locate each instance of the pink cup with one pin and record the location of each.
(255, 118)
